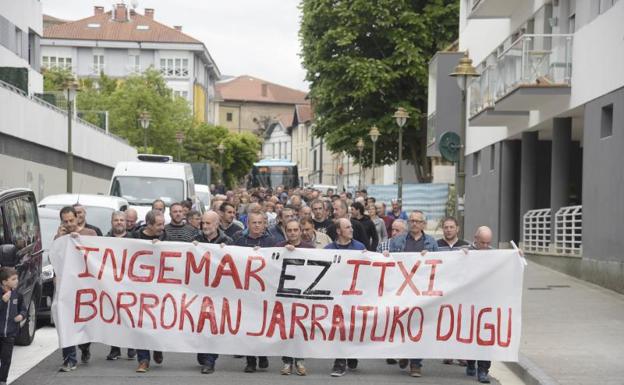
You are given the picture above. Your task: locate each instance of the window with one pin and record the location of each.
(606, 121)
(1, 229)
(98, 64)
(18, 41)
(22, 221)
(228, 116)
(134, 64)
(174, 67)
(476, 163)
(492, 157)
(181, 94)
(56, 62)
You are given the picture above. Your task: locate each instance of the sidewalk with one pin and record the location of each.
(572, 331)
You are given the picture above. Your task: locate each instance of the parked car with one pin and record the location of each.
(99, 207)
(203, 193)
(20, 247)
(49, 221)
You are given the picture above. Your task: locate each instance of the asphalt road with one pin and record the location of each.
(182, 369)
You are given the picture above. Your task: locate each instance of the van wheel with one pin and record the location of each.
(27, 331)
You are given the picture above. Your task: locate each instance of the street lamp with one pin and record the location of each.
(360, 147)
(221, 149)
(463, 73)
(374, 135)
(72, 89)
(144, 119)
(180, 139)
(401, 116)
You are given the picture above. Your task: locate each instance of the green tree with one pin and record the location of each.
(366, 58)
(56, 79)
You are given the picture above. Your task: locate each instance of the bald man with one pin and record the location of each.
(482, 241)
(131, 219)
(210, 233)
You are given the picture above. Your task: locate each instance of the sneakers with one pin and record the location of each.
(447, 362)
(85, 355)
(391, 361)
(300, 368)
(158, 357)
(483, 377)
(338, 371)
(352, 363)
(403, 362)
(68, 366)
(143, 367)
(131, 354)
(286, 370)
(249, 368)
(471, 371)
(114, 354)
(263, 362)
(415, 371)
(207, 369)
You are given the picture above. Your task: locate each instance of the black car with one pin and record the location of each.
(20, 247)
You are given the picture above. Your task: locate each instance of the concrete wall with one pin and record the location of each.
(603, 184)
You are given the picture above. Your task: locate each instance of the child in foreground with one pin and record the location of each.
(12, 312)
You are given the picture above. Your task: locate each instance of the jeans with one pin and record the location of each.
(482, 365)
(69, 353)
(6, 352)
(417, 362)
(143, 355)
(207, 358)
(290, 360)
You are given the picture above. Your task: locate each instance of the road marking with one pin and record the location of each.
(27, 357)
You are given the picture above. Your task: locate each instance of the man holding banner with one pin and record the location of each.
(210, 233)
(414, 240)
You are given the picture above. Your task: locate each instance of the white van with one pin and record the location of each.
(153, 177)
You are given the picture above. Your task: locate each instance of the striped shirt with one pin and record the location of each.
(180, 233)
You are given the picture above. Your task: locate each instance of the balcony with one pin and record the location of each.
(568, 231)
(529, 74)
(491, 9)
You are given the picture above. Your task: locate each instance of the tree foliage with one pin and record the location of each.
(366, 58)
(126, 99)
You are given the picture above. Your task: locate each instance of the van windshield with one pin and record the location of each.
(142, 190)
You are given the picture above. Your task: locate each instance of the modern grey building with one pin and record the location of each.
(546, 130)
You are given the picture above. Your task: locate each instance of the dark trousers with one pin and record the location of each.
(207, 358)
(143, 355)
(69, 353)
(290, 360)
(342, 362)
(482, 365)
(251, 360)
(6, 352)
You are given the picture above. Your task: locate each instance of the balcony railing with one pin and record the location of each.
(532, 60)
(568, 230)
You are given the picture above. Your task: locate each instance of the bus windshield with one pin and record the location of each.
(273, 176)
(141, 190)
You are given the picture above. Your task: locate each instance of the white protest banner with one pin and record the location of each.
(310, 303)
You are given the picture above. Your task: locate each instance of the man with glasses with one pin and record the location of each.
(414, 240)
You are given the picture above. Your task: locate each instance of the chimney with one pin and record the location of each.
(149, 12)
(98, 10)
(264, 89)
(120, 12)
(177, 28)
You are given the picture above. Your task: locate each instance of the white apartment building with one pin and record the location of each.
(122, 42)
(546, 130)
(33, 133)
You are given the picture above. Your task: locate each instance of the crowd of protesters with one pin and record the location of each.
(299, 218)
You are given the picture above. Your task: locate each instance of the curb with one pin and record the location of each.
(529, 372)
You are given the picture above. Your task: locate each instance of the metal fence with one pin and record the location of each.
(536, 231)
(567, 230)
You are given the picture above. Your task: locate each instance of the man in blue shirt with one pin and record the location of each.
(414, 240)
(344, 241)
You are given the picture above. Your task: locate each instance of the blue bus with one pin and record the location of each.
(271, 173)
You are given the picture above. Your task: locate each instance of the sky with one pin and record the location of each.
(244, 37)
